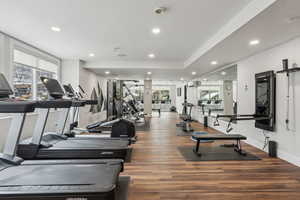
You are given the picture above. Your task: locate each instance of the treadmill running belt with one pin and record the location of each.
(41, 179)
(86, 144)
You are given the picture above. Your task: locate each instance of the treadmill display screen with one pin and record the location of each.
(53, 87)
(5, 89)
(69, 90)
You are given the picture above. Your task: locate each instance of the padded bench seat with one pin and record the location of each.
(237, 137)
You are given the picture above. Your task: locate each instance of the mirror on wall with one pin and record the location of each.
(217, 93)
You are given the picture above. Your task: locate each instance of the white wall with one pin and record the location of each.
(89, 80)
(288, 141)
(70, 72)
(5, 55)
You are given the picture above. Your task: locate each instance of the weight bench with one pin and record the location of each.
(237, 137)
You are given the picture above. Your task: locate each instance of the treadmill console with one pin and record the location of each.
(69, 90)
(54, 88)
(5, 89)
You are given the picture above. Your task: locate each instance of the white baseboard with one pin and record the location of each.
(280, 153)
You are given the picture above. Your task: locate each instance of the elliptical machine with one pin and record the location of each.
(186, 117)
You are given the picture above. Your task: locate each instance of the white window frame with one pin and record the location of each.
(39, 54)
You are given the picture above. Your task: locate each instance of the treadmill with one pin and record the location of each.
(54, 88)
(51, 179)
(57, 145)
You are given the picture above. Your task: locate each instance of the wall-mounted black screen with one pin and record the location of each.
(265, 100)
(5, 89)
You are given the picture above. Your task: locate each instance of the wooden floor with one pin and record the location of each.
(158, 171)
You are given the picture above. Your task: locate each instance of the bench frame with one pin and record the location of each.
(237, 147)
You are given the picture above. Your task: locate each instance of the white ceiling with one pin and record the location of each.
(193, 33)
(99, 26)
(272, 27)
(141, 73)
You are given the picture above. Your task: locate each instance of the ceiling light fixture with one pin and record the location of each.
(205, 79)
(156, 31)
(92, 55)
(107, 72)
(151, 55)
(55, 29)
(149, 73)
(214, 62)
(223, 73)
(194, 73)
(182, 79)
(254, 42)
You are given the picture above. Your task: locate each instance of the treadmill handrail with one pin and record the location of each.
(21, 108)
(17, 106)
(61, 103)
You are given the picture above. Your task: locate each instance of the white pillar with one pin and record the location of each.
(228, 97)
(148, 97)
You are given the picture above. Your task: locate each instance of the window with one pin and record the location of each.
(23, 81)
(26, 76)
(209, 95)
(161, 95)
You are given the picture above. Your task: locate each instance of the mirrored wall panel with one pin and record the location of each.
(217, 93)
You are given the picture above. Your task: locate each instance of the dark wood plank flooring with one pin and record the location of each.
(159, 172)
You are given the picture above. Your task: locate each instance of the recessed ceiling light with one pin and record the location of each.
(182, 79)
(91, 54)
(149, 73)
(55, 29)
(107, 72)
(148, 79)
(194, 73)
(151, 55)
(214, 62)
(156, 31)
(223, 73)
(205, 79)
(254, 42)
